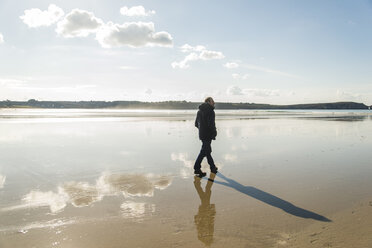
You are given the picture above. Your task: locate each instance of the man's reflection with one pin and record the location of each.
(204, 220)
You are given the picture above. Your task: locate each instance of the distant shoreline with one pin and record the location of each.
(172, 105)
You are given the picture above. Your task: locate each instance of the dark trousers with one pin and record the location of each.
(205, 151)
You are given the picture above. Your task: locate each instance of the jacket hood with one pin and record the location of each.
(206, 107)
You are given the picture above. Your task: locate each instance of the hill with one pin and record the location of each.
(32, 103)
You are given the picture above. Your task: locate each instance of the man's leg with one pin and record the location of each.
(208, 150)
(202, 154)
(199, 159)
(210, 161)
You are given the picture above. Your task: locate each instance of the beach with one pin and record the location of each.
(118, 178)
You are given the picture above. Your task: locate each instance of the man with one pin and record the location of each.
(205, 122)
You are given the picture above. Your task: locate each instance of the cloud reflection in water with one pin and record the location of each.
(132, 209)
(82, 194)
(2, 181)
(187, 169)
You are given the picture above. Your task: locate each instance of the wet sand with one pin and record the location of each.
(351, 227)
(284, 181)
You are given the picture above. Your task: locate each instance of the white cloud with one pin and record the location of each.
(207, 55)
(261, 92)
(198, 52)
(81, 23)
(50, 88)
(13, 82)
(271, 71)
(1, 38)
(183, 64)
(148, 91)
(235, 91)
(235, 76)
(188, 49)
(136, 11)
(78, 23)
(133, 34)
(231, 65)
(238, 76)
(36, 18)
(246, 76)
(128, 67)
(348, 96)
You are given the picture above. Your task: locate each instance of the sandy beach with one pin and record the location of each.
(107, 109)
(285, 180)
(349, 228)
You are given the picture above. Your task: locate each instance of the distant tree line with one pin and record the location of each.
(32, 103)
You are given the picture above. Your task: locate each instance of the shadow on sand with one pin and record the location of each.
(270, 199)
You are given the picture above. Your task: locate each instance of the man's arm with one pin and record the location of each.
(197, 119)
(213, 125)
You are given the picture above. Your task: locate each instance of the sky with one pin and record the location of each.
(256, 51)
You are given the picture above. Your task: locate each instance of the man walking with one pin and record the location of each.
(205, 122)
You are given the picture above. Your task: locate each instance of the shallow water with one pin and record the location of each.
(115, 178)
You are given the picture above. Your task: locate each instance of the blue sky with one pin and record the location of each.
(279, 52)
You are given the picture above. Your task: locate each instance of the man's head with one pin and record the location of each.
(209, 100)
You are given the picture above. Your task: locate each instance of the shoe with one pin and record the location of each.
(214, 170)
(200, 173)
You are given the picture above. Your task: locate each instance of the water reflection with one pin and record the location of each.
(271, 199)
(233, 132)
(2, 181)
(188, 164)
(348, 118)
(54, 223)
(204, 219)
(187, 169)
(82, 194)
(55, 201)
(131, 209)
(229, 157)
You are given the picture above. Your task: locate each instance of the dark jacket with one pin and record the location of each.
(205, 122)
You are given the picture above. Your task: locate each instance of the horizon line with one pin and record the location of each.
(179, 101)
